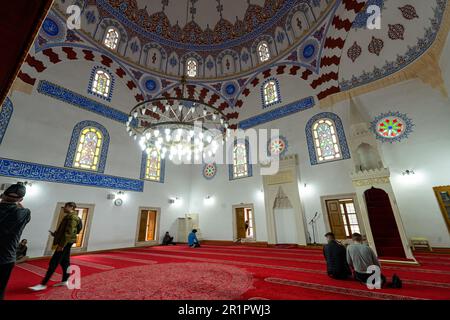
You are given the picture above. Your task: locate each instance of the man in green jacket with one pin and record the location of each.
(64, 238)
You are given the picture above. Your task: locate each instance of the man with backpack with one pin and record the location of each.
(64, 238)
(13, 219)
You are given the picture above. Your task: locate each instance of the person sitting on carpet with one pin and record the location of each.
(335, 256)
(167, 239)
(360, 257)
(21, 252)
(192, 239)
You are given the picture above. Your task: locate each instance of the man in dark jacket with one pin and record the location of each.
(167, 239)
(13, 219)
(336, 257)
(64, 238)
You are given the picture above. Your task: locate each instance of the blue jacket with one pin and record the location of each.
(192, 238)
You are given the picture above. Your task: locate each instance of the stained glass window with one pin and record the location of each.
(88, 150)
(111, 39)
(391, 127)
(102, 83)
(240, 161)
(263, 52)
(191, 68)
(153, 166)
(326, 141)
(270, 92)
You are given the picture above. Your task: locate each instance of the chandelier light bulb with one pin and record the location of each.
(167, 131)
(156, 133)
(205, 112)
(130, 118)
(143, 111)
(135, 114)
(214, 116)
(148, 135)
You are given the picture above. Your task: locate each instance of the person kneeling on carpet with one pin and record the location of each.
(192, 239)
(360, 257)
(167, 239)
(335, 256)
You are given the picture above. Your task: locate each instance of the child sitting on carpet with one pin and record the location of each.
(192, 239)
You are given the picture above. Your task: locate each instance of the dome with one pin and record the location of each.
(222, 36)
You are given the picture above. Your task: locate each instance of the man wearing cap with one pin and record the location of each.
(13, 219)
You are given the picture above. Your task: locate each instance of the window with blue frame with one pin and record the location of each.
(153, 166)
(326, 139)
(241, 167)
(270, 92)
(88, 147)
(101, 83)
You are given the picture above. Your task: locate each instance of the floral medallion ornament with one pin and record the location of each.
(392, 126)
(354, 51)
(277, 146)
(209, 170)
(396, 31)
(409, 12)
(376, 45)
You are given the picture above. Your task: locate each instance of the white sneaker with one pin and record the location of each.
(38, 287)
(60, 284)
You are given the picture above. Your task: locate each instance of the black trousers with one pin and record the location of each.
(5, 273)
(61, 258)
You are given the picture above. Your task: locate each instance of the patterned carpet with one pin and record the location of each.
(225, 273)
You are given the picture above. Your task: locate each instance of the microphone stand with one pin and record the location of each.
(312, 222)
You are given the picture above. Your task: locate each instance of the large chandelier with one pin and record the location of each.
(179, 128)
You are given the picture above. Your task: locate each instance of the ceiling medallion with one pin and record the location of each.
(180, 128)
(392, 126)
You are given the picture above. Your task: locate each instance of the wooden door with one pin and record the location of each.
(151, 225)
(335, 218)
(443, 197)
(383, 224)
(147, 226)
(240, 223)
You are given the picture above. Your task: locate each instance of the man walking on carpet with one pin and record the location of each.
(64, 238)
(13, 219)
(335, 256)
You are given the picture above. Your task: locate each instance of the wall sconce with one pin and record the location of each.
(408, 172)
(174, 200)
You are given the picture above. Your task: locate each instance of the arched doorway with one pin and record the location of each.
(383, 224)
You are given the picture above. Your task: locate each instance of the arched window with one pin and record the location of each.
(191, 68)
(88, 147)
(152, 166)
(102, 83)
(326, 138)
(263, 52)
(271, 93)
(241, 167)
(111, 39)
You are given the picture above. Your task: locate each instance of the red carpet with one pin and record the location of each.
(225, 273)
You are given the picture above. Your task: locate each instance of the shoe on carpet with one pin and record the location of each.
(60, 284)
(38, 287)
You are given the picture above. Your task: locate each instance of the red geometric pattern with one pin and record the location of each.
(39, 62)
